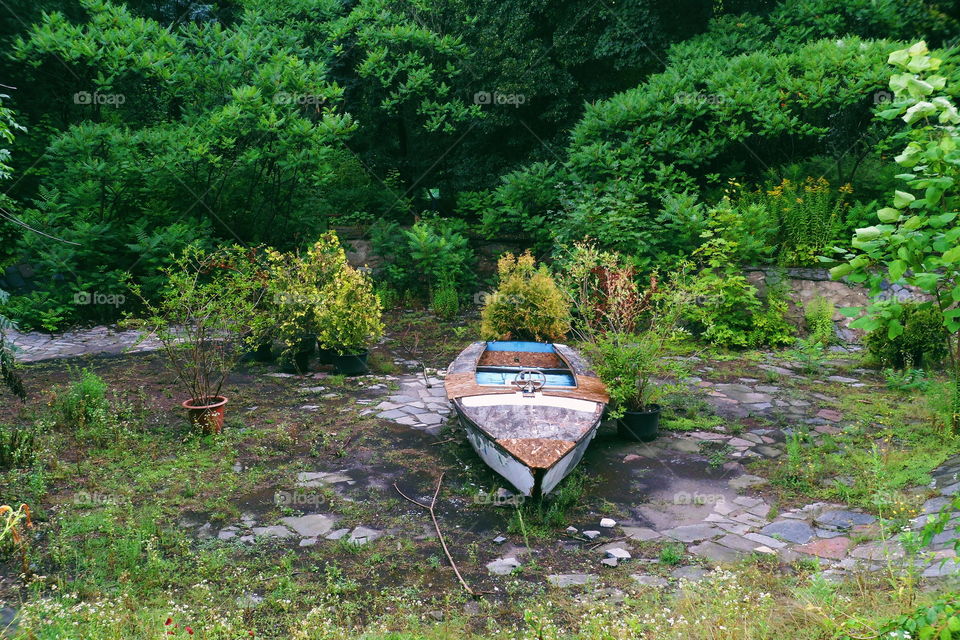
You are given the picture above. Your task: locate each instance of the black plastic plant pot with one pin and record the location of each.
(301, 357)
(301, 361)
(325, 356)
(351, 364)
(264, 352)
(640, 426)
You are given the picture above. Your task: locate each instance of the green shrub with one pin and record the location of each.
(350, 318)
(921, 344)
(527, 305)
(17, 447)
(731, 312)
(938, 620)
(420, 259)
(446, 301)
(804, 218)
(818, 315)
(83, 409)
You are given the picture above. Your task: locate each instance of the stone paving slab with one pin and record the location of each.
(33, 346)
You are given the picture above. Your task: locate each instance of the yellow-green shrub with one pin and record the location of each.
(349, 317)
(527, 305)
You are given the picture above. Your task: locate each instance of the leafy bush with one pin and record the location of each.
(206, 316)
(433, 252)
(916, 240)
(922, 342)
(619, 217)
(806, 218)
(939, 620)
(294, 298)
(730, 311)
(603, 290)
(17, 447)
(83, 409)
(83, 279)
(446, 301)
(527, 305)
(349, 319)
(669, 139)
(818, 315)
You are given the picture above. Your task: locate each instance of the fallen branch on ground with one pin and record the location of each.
(436, 525)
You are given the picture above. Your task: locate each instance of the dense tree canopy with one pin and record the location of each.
(155, 123)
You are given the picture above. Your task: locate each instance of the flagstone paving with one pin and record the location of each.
(673, 487)
(35, 346)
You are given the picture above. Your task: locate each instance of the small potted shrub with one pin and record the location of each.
(628, 364)
(527, 305)
(625, 331)
(295, 298)
(205, 321)
(349, 319)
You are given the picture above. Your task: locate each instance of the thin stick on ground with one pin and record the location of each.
(436, 525)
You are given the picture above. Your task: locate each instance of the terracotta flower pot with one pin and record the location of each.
(207, 417)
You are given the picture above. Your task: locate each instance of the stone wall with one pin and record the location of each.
(804, 285)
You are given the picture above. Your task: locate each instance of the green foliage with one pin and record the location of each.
(906, 380)
(230, 122)
(446, 301)
(82, 408)
(627, 364)
(603, 290)
(809, 353)
(17, 447)
(918, 239)
(939, 620)
(671, 553)
(818, 314)
(206, 315)
(349, 320)
(294, 297)
(730, 312)
(801, 220)
(527, 305)
(663, 138)
(433, 253)
(921, 344)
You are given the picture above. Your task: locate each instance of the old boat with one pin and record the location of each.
(530, 409)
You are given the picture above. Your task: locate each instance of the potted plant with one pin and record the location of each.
(205, 322)
(295, 297)
(350, 319)
(625, 331)
(629, 365)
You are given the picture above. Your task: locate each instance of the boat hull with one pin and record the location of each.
(534, 436)
(528, 481)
